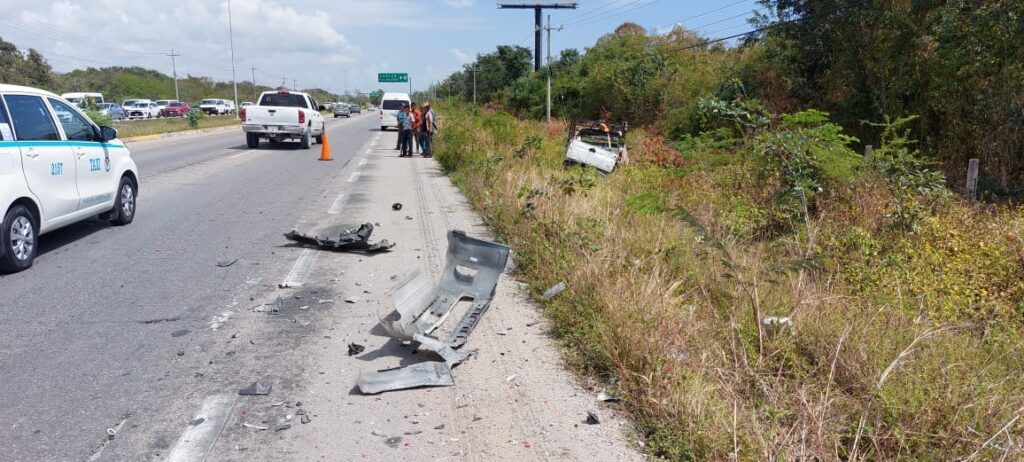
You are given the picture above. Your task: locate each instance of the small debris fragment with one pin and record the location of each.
(439, 427)
(255, 389)
(283, 427)
(592, 418)
(554, 290)
(196, 422)
(226, 263)
(413, 432)
(407, 217)
(352, 300)
(304, 419)
(511, 378)
(180, 333)
(279, 403)
(396, 206)
(605, 397)
(393, 441)
(532, 323)
(324, 302)
(111, 433)
(181, 352)
(304, 307)
(377, 433)
(355, 348)
(254, 427)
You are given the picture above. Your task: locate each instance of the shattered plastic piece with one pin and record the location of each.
(256, 427)
(255, 389)
(592, 418)
(396, 206)
(554, 290)
(305, 419)
(352, 300)
(774, 324)
(226, 263)
(283, 427)
(428, 374)
(605, 397)
(355, 348)
(471, 272)
(351, 240)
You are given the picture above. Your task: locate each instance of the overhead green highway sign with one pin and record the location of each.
(393, 77)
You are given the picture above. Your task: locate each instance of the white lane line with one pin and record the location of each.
(243, 153)
(197, 440)
(355, 177)
(297, 276)
(338, 204)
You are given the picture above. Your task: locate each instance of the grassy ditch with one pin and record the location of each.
(134, 128)
(906, 304)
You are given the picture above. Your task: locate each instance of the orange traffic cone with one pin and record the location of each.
(325, 148)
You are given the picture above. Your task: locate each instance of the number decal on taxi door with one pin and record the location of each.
(57, 168)
(94, 165)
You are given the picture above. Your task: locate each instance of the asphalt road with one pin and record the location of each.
(110, 327)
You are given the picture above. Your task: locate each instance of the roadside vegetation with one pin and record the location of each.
(755, 284)
(135, 128)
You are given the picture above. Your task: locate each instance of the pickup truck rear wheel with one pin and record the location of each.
(252, 140)
(305, 141)
(19, 239)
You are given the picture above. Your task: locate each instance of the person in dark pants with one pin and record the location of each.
(405, 132)
(427, 129)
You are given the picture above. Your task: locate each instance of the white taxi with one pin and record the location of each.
(56, 168)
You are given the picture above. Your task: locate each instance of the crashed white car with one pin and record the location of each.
(597, 146)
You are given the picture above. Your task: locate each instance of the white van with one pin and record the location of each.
(390, 104)
(77, 98)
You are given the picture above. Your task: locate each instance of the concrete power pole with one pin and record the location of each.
(295, 86)
(474, 82)
(255, 93)
(231, 38)
(174, 71)
(549, 29)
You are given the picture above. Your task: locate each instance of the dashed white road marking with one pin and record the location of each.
(338, 204)
(300, 270)
(197, 440)
(355, 177)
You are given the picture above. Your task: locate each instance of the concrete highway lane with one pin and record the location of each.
(113, 326)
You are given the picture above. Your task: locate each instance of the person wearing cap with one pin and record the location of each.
(428, 127)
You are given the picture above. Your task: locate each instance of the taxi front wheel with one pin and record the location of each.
(124, 206)
(20, 240)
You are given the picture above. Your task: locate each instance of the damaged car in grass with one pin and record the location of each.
(597, 145)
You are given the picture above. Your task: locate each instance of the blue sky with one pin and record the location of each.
(334, 44)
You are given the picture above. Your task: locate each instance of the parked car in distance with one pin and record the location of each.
(162, 103)
(341, 109)
(175, 109)
(128, 104)
(597, 146)
(146, 110)
(390, 104)
(78, 98)
(68, 170)
(283, 115)
(355, 109)
(217, 106)
(112, 110)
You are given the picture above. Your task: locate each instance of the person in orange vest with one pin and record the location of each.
(416, 142)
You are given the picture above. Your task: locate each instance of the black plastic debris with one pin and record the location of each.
(355, 348)
(396, 206)
(350, 240)
(305, 419)
(226, 263)
(592, 418)
(255, 389)
(393, 441)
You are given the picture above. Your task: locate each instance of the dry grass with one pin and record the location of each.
(168, 125)
(667, 303)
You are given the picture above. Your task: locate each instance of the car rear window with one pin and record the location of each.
(31, 119)
(393, 104)
(284, 100)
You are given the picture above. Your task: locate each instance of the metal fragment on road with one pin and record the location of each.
(428, 374)
(256, 389)
(472, 269)
(592, 418)
(350, 240)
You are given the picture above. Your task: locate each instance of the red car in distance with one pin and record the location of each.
(175, 109)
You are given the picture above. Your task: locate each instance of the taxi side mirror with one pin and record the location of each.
(108, 134)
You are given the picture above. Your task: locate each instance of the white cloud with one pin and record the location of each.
(461, 56)
(460, 3)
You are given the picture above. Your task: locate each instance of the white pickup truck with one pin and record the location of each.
(282, 115)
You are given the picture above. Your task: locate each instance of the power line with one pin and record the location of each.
(612, 13)
(705, 13)
(583, 14)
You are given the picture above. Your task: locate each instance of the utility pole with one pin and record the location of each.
(537, 7)
(284, 79)
(410, 86)
(346, 82)
(255, 94)
(174, 71)
(295, 86)
(549, 29)
(474, 82)
(231, 38)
